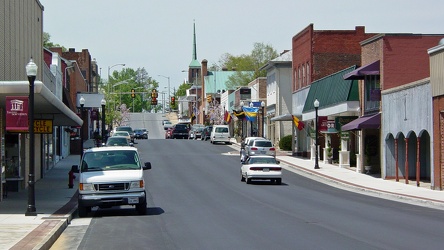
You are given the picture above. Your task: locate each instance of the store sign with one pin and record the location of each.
(16, 113)
(43, 126)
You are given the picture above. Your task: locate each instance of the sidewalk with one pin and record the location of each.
(55, 202)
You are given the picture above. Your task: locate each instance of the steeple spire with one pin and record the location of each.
(194, 41)
(194, 62)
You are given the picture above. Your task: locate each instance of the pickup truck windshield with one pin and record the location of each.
(110, 160)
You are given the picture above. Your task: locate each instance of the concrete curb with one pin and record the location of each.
(374, 192)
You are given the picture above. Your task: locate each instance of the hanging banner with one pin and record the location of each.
(16, 113)
(251, 113)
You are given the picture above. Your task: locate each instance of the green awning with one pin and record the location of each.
(332, 90)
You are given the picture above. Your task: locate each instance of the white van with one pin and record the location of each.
(220, 133)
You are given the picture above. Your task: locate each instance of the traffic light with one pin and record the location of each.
(154, 97)
(209, 98)
(133, 93)
(173, 100)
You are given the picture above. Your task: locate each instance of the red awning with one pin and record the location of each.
(360, 73)
(364, 122)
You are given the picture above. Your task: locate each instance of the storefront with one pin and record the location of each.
(50, 114)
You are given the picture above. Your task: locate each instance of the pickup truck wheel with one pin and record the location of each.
(83, 211)
(141, 208)
(248, 180)
(242, 177)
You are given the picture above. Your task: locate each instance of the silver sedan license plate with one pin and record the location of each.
(133, 200)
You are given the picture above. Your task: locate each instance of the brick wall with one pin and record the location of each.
(438, 143)
(325, 52)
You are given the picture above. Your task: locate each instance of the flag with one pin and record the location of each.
(300, 125)
(239, 115)
(250, 113)
(227, 117)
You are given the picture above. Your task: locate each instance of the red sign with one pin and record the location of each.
(323, 121)
(17, 113)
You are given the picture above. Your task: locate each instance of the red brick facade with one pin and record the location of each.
(318, 53)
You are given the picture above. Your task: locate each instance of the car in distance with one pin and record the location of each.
(127, 129)
(260, 147)
(140, 133)
(122, 133)
(248, 141)
(168, 133)
(179, 131)
(167, 124)
(206, 133)
(111, 176)
(118, 141)
(220, 133)
(261, 167)
(195, 132)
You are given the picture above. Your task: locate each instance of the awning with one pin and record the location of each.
(286, 117)
(46, 104)
(360, 73)
(364, 122)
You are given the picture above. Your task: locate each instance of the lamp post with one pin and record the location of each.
(316, 106)
(82, 103)
(109, 69)
(263, 118)
(251, 122)
(31, 71)
(103, 102)
(169, 95)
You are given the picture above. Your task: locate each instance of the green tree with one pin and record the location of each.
(244, 64)
(48, 44)
(117, 92)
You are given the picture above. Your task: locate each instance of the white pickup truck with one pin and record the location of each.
(111, 176)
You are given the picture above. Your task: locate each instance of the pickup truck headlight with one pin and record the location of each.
(86, 187)
(137, 184)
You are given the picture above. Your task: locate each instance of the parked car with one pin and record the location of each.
(220, 133)
(179, 131)
(248, 141)
(206, 133)
(145, 133)
(195, 132)
(127, 129)
(123, 134)
(168, 134)
(167, 124)
(118, 141)
(261, 167)
(140, 134)
(260, 147)
(111, 176)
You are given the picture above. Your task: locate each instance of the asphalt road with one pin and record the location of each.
(197, 201)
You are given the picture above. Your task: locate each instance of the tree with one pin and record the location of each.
(247, 67)
(117, 91)
(48, 44)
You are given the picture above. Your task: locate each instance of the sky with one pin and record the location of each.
(158, 34)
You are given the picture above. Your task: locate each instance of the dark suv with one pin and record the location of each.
(127, 129)
(180, 131)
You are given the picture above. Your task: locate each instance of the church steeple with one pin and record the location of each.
(194, 67)
(194, 62)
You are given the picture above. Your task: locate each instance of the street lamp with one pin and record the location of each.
(251, 122)
(31, 71)
(263, 118)
(109, 69)
(103, 102)
(82, 103)
(167, 77)
(316, 106)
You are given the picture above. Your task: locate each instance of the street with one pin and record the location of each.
(197, 201)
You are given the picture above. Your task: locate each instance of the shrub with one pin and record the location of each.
(285, 143)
